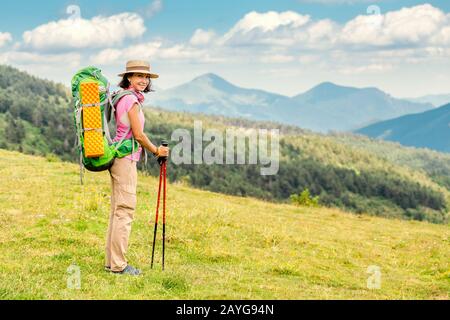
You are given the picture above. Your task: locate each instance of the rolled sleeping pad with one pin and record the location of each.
(92, 120)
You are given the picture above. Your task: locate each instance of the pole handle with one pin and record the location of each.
(164, 143)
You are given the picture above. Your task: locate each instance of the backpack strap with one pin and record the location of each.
(107, 113)
(116, 96)
(79, 129)
(110, 106)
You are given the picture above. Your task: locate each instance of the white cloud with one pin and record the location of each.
(281, 29)
(420, 25)
(81, 33)
(156, 50)
(276, 58)
(436, 52)
(322, 33)
(154, 7)
(59, 68)
(181, 52)
(5, 37)
(112, 56)
(409, 26)
(202, 37)
(29, 58)
(107, 57)
(269, 21)
(257, 27)
(371, 68)
(307, 59)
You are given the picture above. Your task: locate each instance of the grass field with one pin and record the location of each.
(219, 247)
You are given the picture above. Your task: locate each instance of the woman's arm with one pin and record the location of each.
(140, 136)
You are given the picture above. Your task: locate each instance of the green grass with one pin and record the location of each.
(218, 246)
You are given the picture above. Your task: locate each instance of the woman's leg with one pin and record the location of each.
(111, 215)
(124, 175)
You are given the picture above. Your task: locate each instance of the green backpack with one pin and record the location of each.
(108, 101)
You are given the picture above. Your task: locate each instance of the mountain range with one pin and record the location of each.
(430, 129)
(325, 107)
(435, 99)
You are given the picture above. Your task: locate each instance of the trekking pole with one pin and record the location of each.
(162, 178)
(164, 165)
(156, 217)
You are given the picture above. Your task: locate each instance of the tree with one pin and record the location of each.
(15, 130)
(305, 199)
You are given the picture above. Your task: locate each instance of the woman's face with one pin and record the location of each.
(139, 81)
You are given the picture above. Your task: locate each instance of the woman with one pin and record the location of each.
(130, 122)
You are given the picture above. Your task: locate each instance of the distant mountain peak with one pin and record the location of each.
(213, 80)
(329, 90)
(210, 77)
(332, 86)
(325, 91)
(328, 84)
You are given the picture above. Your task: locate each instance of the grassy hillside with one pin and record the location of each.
(219, 246)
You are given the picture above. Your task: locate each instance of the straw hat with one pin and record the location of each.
(138, 66)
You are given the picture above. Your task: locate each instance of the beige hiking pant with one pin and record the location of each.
(123, 203)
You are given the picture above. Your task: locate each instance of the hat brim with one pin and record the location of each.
(152, 75)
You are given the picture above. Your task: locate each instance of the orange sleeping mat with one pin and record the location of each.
(92, 120)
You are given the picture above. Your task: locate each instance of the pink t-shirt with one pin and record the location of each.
(123, 122)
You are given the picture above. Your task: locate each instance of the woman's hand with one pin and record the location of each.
(163, 154)
(163, 151)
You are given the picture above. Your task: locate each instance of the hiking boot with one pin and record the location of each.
(129, 270)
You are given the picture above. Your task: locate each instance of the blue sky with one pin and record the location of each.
(184, 39)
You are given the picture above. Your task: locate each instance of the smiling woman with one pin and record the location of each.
(130, 122)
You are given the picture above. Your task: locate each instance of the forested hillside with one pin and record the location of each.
(345, 175)
(35, 115)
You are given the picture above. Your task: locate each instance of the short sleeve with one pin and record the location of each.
(127, 102)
